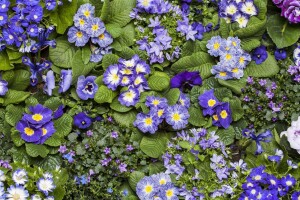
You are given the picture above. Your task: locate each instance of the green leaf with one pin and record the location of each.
(125, 52)
(63, 125)
(53, 141)
(18, 79)
(262, 7)
(155, 145)
(16, 138)
(35, 150)
(86, 54)
(125, 119)
(120, 11)
(127, 36)
(53, 103)
(191, 47)
(196, 117)
(59, 193)
(63, 16)
(234, 85)
(114, 29)
(249, 44)
(50, 163)
(109, 59)
(173, 96)
(104, 95)
(14, 56)
(13, 96)
(226, 135)
(281, 32)
(195, 62)
(79, 68)
(224, 28)
(63, 54)
(5, 63)
(254, 26)
(158, 83)
(98, 6)
(222, 93)
(115, 105)
(155, 168)
(266, 69)
(134, 178)
(105, 11)
(13, 114)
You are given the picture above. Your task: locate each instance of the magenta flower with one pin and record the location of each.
(290, 10)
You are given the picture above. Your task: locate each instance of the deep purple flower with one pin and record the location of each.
(186, 78)
(86, 87)
(259, 55)
(107, 150)
(280, 54)
(208, 101)
(28, 132)
(82, 121)
(129, 147)
(290, 10)
(224, 117)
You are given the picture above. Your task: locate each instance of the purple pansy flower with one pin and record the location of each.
(86, 87)
(259, 55)
(82, 121)
(186, 78)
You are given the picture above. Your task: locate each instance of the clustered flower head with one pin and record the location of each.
(262, 185)
(289, 9)
(36, 127)
(233, 59)
(220, 111)
(237, 11)
(18, 189)
(89, 27)
(22, 28)
(157, 186)
(293, 135)
(128, 73)
(176, 115)
(153, 6)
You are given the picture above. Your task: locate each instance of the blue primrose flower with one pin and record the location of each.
(224, 117)
(177, 116)
(129, 97)
(146, 188)
(95, 27)
(112, 77)
(169, 192)
(156, 102)
(186, 78)
(184, 100)
(103, 40)
(98, 53)
(40, 115)
(47, 131)
(259, 55)
(87, 10)
(28, 132)
(82, 121)
(208, 101)
(86, 87)
(65, 80)
(79, 37)
(216, 45)
(147, 122)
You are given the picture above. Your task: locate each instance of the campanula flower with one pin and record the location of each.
(86, 87)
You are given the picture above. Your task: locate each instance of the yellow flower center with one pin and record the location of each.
(160, 112)
(242, 59)
(87, 13)
(176, 117)
(228, 56)
(124, 79)
(79, 34)
(216, 118)
(28, 131)
(234, 43)
(81, 22)
(155, 102)
(101, 37)
(44, 131)
(148, 121)
(16, 197)
(148, 188)
(162, 182)
(211, 102)
(95, 27)
(115, 77)
(129, 95)
(223, 73)
(224, 114)
(169, 193)
(235, 70)
(145, 2)
(127, 71)
(37, 117)
(216, 46)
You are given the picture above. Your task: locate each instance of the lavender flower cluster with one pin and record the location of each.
(128, 73)
(220, 111)
(237, 11)
(233, 59)
(157, 186)
(152, 6)
(22, 28)
(176, 115)
(289, 9)
(262, 185)
(89, 27)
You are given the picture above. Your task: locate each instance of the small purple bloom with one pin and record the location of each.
(259, 55)
(114, 134)
(82, 121)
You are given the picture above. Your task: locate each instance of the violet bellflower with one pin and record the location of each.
(86, 87)
(186, 78)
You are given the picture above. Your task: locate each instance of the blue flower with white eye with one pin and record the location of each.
(4, 6)
(3, 19)
(147, 122)
(112, 77)
(36, 14)
(215, 45)
(32, 30)
(146, 5)
(288, 181)
(129, 97)
(17, 191)
(95, 27)
(80, 21)
(86, 87)
(50, 4)
(177, 116)
(20, 177)
(31, 2)
(79, 37)
(8, 36)
(103, 40)
(87, 10)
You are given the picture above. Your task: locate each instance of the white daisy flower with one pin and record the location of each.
(17, 193)
(45, 185)
(20, 177)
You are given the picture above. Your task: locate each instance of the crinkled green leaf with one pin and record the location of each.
(125, 119)
(63, 125)
(35, 150)
(120, 11)
(134, 178)
(104, 95)
(14, 96)
(5, 63)
(115, 105)
(155, 145)
(13, 114)
(226, 135)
